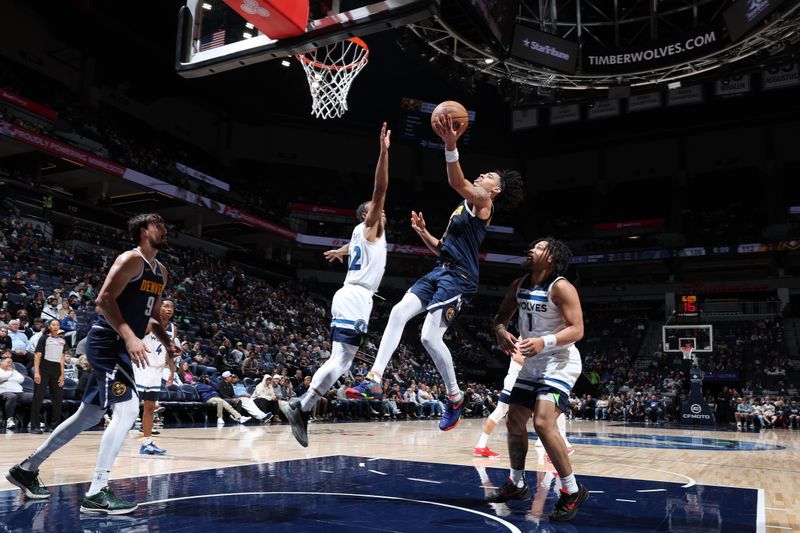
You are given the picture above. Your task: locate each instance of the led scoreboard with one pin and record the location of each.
(688, 305)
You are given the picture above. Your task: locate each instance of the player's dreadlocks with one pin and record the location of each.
(512, 191)
(560, 253)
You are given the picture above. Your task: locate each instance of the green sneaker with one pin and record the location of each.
(106, 502)
(29, 482)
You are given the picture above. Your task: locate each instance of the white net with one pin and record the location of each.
(330, 71)
(687, 350)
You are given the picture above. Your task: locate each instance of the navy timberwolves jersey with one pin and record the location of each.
(463, 238)
(137, 299)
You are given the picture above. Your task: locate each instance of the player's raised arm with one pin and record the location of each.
(338, 254)
(418, 225)
(374, 220)
(126, 267)
(476, 196)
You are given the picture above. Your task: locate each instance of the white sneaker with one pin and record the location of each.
(10, 424)
(243, 419)
(220, 422)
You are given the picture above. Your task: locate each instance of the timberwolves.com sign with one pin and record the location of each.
(654, 55)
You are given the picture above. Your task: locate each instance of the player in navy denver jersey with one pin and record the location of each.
(454, 281)
(128, 301)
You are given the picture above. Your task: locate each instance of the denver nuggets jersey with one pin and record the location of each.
(538, 316)
(137, 299)
(463, 238)
(367, 260)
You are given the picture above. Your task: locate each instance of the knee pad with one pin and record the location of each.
(499, 412)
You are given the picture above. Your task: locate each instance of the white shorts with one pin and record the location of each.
(559, 369)
(351, 307)
(147, 379)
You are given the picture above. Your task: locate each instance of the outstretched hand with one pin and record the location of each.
(443, 127)
(333, 255)
(385, 138)
(417, 222)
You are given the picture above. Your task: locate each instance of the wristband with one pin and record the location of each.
(498, 327)
(451, 156)
(550, 341)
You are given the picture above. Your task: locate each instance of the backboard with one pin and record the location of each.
(219, 35)
(700, 336)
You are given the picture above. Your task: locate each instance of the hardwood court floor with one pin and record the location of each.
(769, 460)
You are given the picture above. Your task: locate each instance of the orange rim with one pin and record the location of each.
(316, 64)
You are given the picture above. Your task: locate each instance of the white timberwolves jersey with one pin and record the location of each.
(367, 260)
(157, 358)
(539, 316)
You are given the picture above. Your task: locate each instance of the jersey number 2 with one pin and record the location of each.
(148, 310)
(355, 262)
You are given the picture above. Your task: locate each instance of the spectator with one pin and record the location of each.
(10, 390)
(19, 343)
(209, 394)
(265, 397)
(247, 403)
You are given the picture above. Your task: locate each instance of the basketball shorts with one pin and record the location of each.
(112, 379)
(527, 393)
(444, 288)
(148, 381)
(350, 310)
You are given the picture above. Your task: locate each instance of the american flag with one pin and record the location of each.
(207, 42)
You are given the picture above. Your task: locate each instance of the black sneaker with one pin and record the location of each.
(298, 419)
(106, 502)
(36, 431)
(509, 491)
(29, 482)
(567, 505)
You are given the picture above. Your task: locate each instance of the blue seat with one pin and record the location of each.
(19, 367)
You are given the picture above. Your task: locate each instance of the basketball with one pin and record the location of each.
(457, 111)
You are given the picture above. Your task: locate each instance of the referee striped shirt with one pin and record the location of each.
(51, 347)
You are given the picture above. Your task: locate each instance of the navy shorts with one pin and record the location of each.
(111, 380)
(444, 288)
(526, 393)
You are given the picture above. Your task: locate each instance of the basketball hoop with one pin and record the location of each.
(687, 350)
(330, 71)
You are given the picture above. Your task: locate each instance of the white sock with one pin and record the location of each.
(337, 364)
(483, 440)
(561, 422)
(517, 477)
(569, 484)
(113, 437)
(482, 474)
(402, 312)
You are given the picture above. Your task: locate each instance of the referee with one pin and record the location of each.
(48, 372)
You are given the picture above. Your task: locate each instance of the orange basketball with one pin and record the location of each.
(456, 111)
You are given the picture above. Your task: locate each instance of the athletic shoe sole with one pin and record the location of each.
(99, 511)
(24, 489)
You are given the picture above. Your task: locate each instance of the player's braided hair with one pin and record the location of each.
(560, 253)
(512, 190)
(140, 222)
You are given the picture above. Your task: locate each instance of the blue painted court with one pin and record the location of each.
(344, 493)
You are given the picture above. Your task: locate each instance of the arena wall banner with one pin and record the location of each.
(563, 114)
(59, 149)
(780, 77)
(604, 109)
(685, 96)
(28, 105)
(645, 101)
(522, 119)
(322, 210)
(733, 86)
(743, 15)
(196, 174)
(663, 53)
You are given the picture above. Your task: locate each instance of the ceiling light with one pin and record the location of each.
(247, 35)
(674, 85)
(286, 63)
(488, 60)
(249, 25)
(206, 6)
